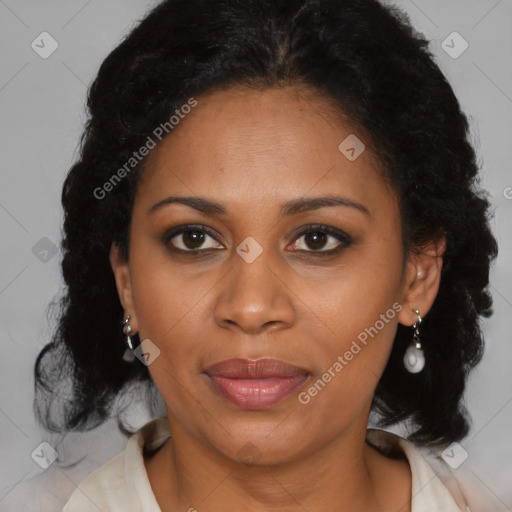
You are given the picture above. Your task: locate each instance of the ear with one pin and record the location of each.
(422, 280)
(122, 276)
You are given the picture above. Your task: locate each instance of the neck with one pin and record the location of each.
(186, 474)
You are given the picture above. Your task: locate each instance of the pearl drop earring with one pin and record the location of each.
(128, 355)
(414, 358)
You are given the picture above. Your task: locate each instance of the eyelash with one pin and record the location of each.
(341, 236)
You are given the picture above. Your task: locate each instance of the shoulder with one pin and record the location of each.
(102, 488)
(434, 486)
(122, 484)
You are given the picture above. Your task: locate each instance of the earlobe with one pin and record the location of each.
(423, 280)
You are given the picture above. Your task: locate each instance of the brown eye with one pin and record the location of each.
(315, 239)
(322, 239)
(191, 239)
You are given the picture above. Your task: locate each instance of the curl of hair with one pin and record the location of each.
(359, 54)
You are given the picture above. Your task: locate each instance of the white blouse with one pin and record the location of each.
(122, 484)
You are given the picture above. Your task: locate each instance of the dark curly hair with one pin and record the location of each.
(358, 54)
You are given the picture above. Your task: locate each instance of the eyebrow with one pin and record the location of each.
(209, 207)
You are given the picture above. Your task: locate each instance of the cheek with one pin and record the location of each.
(159, 295)
(355, 294)
(172, 309)
(356, 308)
(352, 355)
(172, 317)
(359, 334)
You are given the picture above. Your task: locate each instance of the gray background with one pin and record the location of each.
(42, 113)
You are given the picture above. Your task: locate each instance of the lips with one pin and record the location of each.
(255, 384)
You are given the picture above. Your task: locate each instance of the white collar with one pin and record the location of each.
(428, 490)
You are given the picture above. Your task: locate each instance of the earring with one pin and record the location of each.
(414, 358)
(127, 331)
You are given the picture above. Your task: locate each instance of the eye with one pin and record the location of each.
(320, 237)
(191, 239)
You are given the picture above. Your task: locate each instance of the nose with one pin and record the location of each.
(255, 297)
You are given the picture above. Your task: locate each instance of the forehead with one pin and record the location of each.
(251, 146)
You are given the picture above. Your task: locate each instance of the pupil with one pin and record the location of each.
(193, 237)
(318, 239)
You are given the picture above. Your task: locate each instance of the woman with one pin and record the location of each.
(274, 220)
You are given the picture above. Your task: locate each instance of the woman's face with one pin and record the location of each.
(247, 282)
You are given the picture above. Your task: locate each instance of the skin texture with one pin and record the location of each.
(252, 151)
